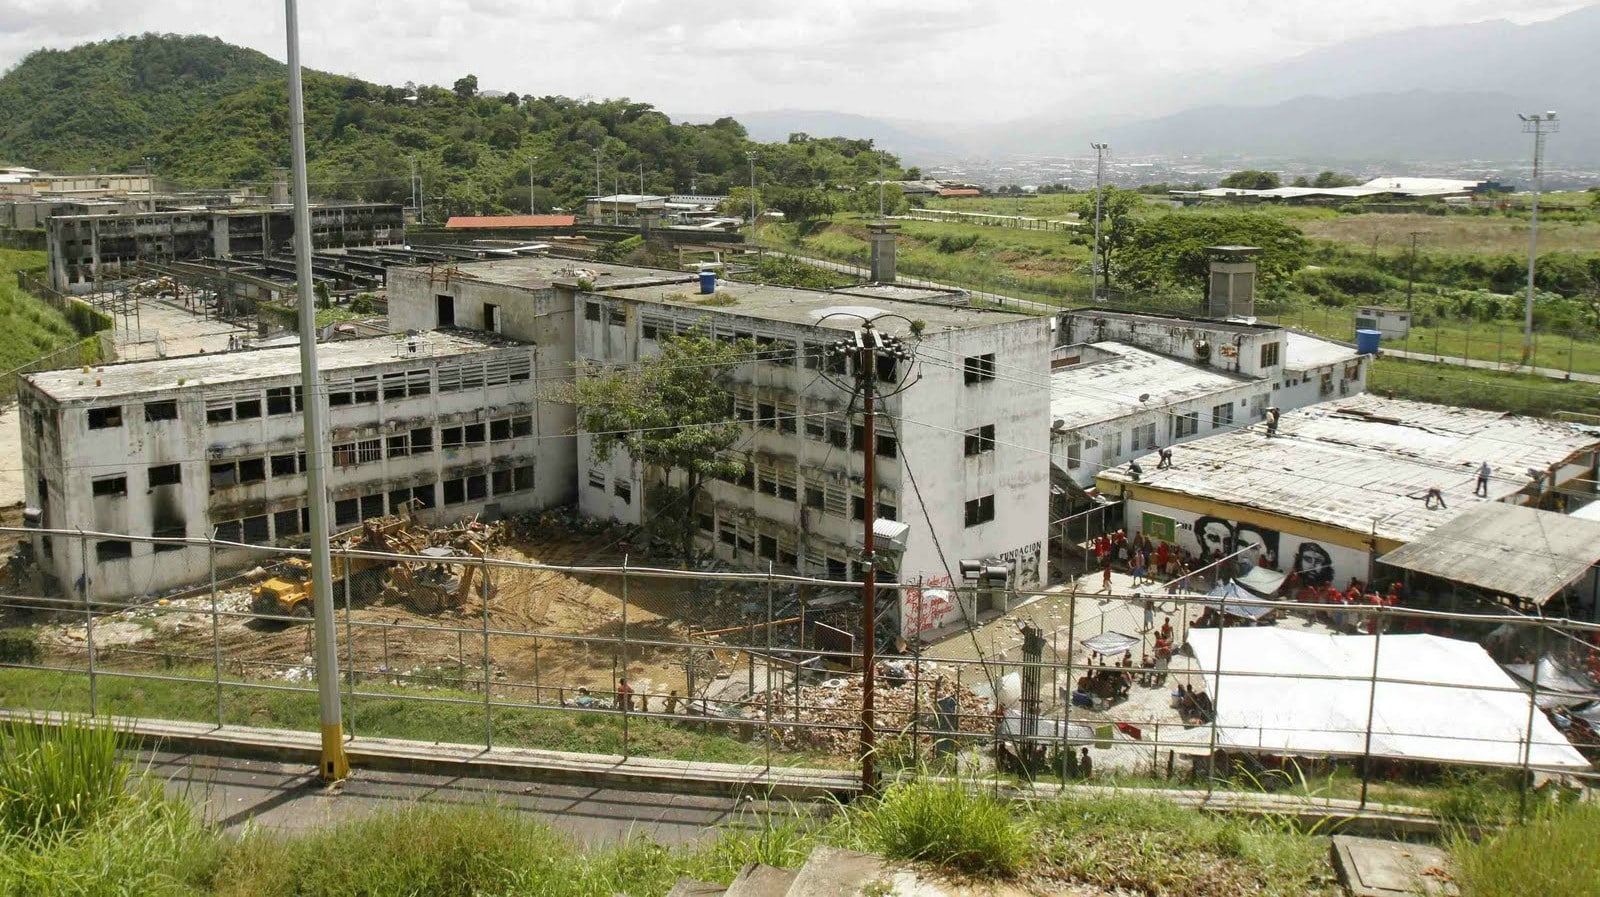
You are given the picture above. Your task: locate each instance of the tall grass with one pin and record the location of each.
(1558, 853)
(57, 781)
(946, 823)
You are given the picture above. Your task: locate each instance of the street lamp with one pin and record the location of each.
(1537, 124)
(1099, 198)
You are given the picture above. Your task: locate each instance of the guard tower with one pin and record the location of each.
(882, 235)
(1231, 290)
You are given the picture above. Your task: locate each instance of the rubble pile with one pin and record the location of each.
(837, 702)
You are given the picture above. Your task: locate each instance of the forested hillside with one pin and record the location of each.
(210, 113)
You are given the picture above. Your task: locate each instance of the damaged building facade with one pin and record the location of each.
(966, 430)
(212, 446)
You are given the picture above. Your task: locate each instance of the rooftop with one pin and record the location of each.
(810, 307)
(1505, 549)
(458, 222)
(1302, 351)
(539, 272)
(1230, 326)
(630, 198)
(1365, 463)
(195, 372)
(1105, 390)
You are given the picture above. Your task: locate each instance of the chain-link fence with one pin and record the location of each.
(442, 642)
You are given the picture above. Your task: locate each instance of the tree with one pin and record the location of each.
(913, 173)
(1334, 179)
(1117, 210)
(1251, 179)
(466, 87)
(1301, 182)
(672, 413)
(1169, 250)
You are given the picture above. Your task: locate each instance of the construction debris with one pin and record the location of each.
(901, 708)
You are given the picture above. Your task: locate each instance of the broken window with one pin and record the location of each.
(105, 418)
(112, 550)
(159, 411)
(107, 486)
(219, 412)
(165, 475)
(980, 440)
(978, 368)
(244, 409)
(252, 470)
(980, 510)
(421, 440)
(224, 474)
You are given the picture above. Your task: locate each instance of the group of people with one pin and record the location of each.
(1145, 558)
(1356, 594)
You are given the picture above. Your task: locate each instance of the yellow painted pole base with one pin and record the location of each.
(335, 765)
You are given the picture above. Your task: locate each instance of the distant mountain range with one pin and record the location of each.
(1438, 93)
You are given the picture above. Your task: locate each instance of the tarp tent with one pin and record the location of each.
(1263, 582)
(1233, 600)
(1557, 686)
(1444, 700)
(1110, 643)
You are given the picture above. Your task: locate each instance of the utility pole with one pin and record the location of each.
(1099, 196)
(335, 765)
(600, 211)
(415, 191)
(867, 371)
(641, 180)
(531, 210)
(1411, 276)
(150, 180)
(880, 185)
(1538, 125)
(750, 156)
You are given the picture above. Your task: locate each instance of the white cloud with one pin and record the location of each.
(974, 60)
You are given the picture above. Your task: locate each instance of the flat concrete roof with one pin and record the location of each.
(810, 307)
(150, 379)
(1302, 351)
(900, 292)
(539, 272)
(1506, 549)
(1364, 459)
(1232, 326)
(1110, 388)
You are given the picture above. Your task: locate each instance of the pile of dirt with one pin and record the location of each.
(896, 704)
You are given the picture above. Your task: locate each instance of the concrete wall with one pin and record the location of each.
(1297, 389)
(1318, 555)
(1111, 443)
(1234, 348)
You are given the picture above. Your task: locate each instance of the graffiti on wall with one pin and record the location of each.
(1024, 564)
(1311, 561)
(927, 606)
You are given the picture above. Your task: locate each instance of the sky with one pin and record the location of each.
(929, 60)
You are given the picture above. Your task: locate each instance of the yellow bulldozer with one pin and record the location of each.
(426, 586)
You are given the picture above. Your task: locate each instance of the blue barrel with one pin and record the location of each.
(1367, 341)
(708, 282)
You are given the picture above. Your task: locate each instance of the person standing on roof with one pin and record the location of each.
(1482, 489)
(1166, 459)
(1272, 421)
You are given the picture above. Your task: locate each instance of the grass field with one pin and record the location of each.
(460, 722)
(29, 329)
(1452, 233)
(1491, 390)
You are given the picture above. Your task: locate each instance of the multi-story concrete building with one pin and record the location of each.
(963, 449)
(83, 248)
(211, 445)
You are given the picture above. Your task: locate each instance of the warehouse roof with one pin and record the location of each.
(204, 372)
(1111, 388)
(1365, 463)
(1505, 549)
(461, 222)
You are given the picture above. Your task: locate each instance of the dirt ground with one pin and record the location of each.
(559, 608)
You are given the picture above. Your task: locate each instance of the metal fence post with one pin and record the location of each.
(1372, 703)
(488, 708)
(88, 624)
(1066, 709)
(626, 697)
(216, 636)
(768, 665)
(1211, 758)
(1527, 742)
(349, 651)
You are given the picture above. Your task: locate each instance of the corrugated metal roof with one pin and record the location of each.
(1099, 391)
(1365, 463)
(1506, 549)
(460, 222)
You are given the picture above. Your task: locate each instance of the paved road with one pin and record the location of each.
(1483, 365)
(288, 797)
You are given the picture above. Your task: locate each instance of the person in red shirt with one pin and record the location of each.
(1393, 598)
(1161, 557)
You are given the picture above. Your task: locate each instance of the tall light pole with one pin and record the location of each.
(750, 156)
(532, 160)
(1099, 251)
(880, 185)
(335, 765)
(597, 193)
(641, 180)
(1538, 125)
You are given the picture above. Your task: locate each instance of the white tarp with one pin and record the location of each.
(1440, 702)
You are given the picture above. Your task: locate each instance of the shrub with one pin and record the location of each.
(950, 244)
(946, 823)
(54, 781)
(1554, 854)
(18, 646)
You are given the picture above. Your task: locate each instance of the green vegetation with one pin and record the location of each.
(457, 718)
(30, 330)
(782, 271)
(672, 411)
(137, 842)
(1554, 854)
(209, 113)
(1529, 394)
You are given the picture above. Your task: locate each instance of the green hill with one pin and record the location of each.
(210, 113)
(95, 105)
